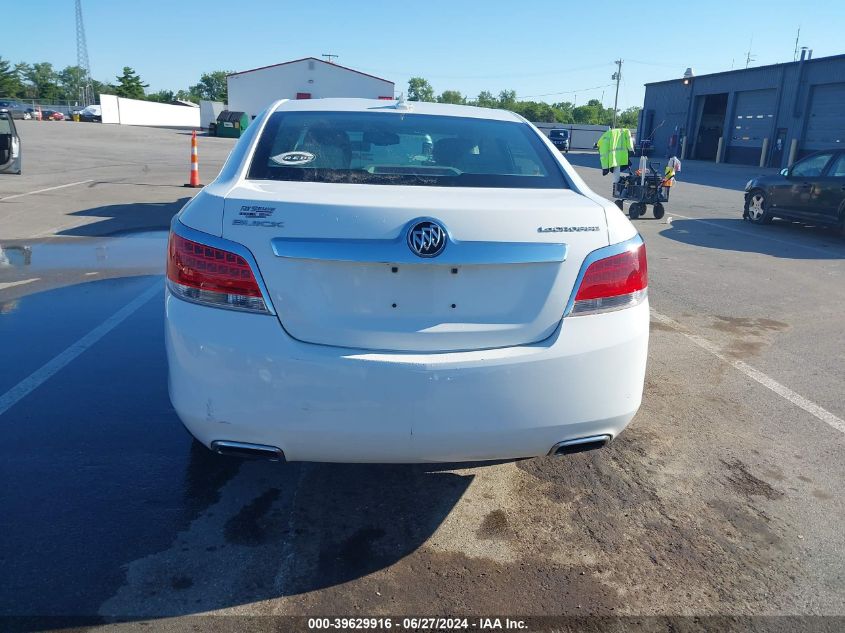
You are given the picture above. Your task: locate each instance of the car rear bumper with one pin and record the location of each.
(239, 377)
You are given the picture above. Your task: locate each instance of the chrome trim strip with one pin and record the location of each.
(227, 245)
(599, 253)
(397, 251)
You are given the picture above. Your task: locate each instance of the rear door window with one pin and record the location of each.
(837, 170)
(810, 167)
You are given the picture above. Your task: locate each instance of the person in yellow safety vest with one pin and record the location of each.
(614, 146)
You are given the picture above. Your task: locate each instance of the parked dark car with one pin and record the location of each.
(812, 190)
(17, 110)
(560, 139)
(10, 145)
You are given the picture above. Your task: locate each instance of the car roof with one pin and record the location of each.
(389, 105)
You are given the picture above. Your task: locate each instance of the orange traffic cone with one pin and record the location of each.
(195, 165)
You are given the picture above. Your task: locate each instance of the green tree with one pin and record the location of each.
(420, 90)
(507, 99)
(43, 81)
(129, 84)
(563, 112)
(629, 117)
(485, 99)
(102, 88)
(535, 111)
(10, 81)
(451, 96)
(212, 86)
(70, 82)
(162, 96)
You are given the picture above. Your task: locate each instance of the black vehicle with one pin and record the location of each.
(812, 190)
(10, 146)
(16, 110)
(560, 139)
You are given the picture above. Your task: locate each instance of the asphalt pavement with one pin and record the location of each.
(722, 497)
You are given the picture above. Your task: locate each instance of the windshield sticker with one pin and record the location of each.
(293, 158)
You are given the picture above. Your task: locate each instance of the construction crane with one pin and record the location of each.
(85, 91)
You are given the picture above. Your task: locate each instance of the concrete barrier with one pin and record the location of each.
(135, 112)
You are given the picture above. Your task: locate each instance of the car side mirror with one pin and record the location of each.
(784, 171)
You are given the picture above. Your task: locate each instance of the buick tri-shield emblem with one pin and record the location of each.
(427, 238)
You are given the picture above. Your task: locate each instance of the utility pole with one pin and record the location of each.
(330, 57)
(618, 77)
(85, 91)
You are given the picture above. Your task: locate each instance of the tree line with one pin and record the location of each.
(41, 81)
(592, 113)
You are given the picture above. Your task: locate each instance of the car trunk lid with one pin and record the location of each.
(340, 270)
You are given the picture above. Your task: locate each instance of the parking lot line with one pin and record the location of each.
(755, 374)
(21, 282)
(53, 366)
(32, 193)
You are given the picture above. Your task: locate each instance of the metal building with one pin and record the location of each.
(253, 90)
(767, 115)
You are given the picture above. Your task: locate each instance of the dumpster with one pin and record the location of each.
(230, 124)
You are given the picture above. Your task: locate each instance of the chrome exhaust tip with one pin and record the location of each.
(245, 450)
(580, 445)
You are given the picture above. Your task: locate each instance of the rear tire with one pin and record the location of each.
(634, 211)
(755, 208)
(659, 211)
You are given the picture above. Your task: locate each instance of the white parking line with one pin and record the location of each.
(32, 193)
(51, 367)
(785, 392)
(21, 282)
(832, 252)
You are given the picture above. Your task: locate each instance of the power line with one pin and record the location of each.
(495, 76)
(566, 92)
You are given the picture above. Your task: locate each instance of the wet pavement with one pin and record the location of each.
(722, 497)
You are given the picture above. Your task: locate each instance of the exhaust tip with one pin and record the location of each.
(580, 445)
(245, 450)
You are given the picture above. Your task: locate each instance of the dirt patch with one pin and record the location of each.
(441, 583)
(744, 325)
(495, 526)
(744, 348)
(747, 484)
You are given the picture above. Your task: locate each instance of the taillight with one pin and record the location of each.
(212, 276)
(614, 282)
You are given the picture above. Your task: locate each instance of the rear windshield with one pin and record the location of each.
(403, 149)
(559, 134)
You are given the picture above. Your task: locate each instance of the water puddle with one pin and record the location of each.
(138, 252)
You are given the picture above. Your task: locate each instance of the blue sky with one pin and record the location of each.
(535, 48)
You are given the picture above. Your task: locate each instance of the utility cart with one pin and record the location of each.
(642, 190)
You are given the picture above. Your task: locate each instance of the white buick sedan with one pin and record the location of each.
(381, 281)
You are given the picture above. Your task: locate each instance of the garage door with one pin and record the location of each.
(826, 118)
(754, 115)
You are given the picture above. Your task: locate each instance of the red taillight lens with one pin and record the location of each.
(615, 282)
(212, 276)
